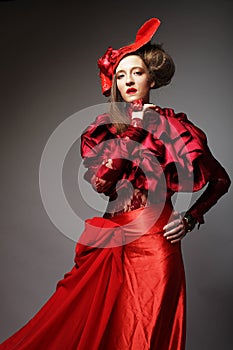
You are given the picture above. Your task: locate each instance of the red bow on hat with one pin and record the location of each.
(109, 61)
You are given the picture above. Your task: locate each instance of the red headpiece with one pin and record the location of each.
(109, 61)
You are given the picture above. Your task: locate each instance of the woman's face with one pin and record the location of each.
(132, 78)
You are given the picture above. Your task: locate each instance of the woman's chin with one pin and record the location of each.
(136, 97)
(132, 98)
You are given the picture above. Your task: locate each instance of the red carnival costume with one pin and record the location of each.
(126, 290)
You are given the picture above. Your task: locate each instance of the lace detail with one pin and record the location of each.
(125, 202)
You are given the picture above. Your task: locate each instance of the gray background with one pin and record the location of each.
(48, 72)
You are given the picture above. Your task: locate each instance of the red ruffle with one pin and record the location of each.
(185, 150)
(173, 147)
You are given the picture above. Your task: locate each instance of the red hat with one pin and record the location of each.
(109, 61)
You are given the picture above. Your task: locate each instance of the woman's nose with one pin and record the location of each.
(129, 80)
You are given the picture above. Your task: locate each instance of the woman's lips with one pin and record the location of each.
(131, 91)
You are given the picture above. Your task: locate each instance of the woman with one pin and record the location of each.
(127, 287)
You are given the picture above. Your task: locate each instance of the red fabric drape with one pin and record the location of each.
(125, 291)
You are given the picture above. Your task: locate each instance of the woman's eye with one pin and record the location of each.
(138, 73)
(120, 76)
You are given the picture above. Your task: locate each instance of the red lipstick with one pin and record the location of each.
(131, 91)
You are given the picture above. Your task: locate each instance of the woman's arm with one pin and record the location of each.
(218, 185)
(206, 170)
(106, 155)
(97, 148)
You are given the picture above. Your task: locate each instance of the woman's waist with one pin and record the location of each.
(152, 217)
(128, 201)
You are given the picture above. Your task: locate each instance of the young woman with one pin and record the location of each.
(127, 288)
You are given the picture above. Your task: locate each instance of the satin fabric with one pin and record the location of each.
(173, 147)
(150, 309)
(122, 293)
(173, 156)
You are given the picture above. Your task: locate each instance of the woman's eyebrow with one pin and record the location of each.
(123, 70)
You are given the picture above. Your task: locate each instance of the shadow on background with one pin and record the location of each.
(48, 66)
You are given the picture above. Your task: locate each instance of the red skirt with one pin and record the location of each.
(126, 291)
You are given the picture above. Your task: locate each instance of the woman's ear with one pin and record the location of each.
(152, 84)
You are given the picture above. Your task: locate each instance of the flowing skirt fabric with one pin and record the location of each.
(126, 291)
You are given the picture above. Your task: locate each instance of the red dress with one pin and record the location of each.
(127, 287)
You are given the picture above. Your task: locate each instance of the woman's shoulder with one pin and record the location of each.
(102, 119)
(99, 130)
(181, 122)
